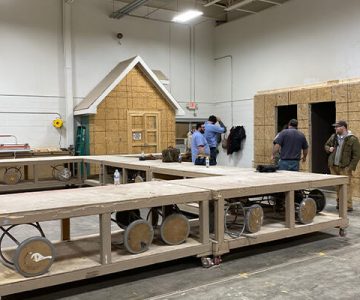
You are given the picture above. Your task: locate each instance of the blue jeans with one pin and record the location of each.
(289, 165)
(213, 154)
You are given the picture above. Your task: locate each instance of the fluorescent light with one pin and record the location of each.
(187, 15)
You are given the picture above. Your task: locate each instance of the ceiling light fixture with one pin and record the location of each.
(187, 16)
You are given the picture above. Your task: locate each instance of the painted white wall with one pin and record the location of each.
(30, 70)
(299, 42)
(32, 64)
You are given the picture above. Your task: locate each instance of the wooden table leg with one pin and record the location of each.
(290, 209)
(343, 201)
(219, 209)
(105, 237)
(65, 229)
(204, 221)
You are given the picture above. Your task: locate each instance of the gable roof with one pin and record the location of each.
(90, 103)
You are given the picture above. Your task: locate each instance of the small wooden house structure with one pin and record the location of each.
(129, 111)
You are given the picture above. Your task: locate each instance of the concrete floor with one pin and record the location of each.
(315, 266)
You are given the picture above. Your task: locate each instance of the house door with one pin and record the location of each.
(143, 129)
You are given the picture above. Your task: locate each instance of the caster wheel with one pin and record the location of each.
(254, 218)
(306, 211)
(217, 260)
(175, 229)
(34, 256)
(207, 262)
(138, 236)
(342, 232)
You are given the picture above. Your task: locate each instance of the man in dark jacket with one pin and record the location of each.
(344, 150)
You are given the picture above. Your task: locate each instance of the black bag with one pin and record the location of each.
(200, 160)
(170, 155)
(266, 168)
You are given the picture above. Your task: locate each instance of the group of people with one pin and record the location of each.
(204, 140)
(342, 147)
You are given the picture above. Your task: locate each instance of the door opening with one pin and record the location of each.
(284, 115)
(322, 117)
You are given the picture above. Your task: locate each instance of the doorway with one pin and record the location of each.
(284, 115)
(322, 117)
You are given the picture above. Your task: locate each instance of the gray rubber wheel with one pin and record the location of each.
(319, 198)
(306, 211)
(34, 256)
(12, 176)
(254, 218)
(138, 236)
(175, 229)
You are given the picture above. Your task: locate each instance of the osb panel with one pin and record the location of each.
(99, 137)
(354, 107)
(341, 115)
(259, 147)
(112, 136)
(269, 133)
(111, 125)
(354, 92)
(301, 96)
(269, 115)
(170, 139)
(112, 148)
(111, 114)
(122, 125)
(323, 94)
(303, 111)
(353, 116)
(111, 102)
(340, 93)
(268, 148)
(100, 149)
(341, 107)
(123, 137)
(122, 115)
(355, 184)
(100, 114)
(99, 125)
(282, 98)
(354, 127)
(259, 132)
(303, 124)
(259, 110)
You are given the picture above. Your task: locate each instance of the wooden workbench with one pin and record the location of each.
(93, 256)
(31, 174)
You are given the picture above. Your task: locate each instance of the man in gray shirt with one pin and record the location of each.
(291, 141)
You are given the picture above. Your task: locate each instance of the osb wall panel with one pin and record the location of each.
(109, 129)
(346, 95)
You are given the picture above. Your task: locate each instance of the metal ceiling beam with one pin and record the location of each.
(211, 3)
(127, 9)
(270, 2)
(239, 4)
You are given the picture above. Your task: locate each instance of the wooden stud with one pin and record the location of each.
(65, 229)
(289, 209)
(204, 221)
(105, 238)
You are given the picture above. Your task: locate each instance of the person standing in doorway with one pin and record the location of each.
(292, 142)
(199, 145)
(344, 153)
(211, 133)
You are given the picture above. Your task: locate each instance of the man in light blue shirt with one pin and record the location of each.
(199, 144)
(211, 134)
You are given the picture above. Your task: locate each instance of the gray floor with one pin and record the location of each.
(315, 266)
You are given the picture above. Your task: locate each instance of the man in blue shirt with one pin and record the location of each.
(199, 145)
(291, 141)
(211, 134)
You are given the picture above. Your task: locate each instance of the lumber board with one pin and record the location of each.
(60, 204)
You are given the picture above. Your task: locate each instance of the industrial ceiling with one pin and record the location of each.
(221, 11)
